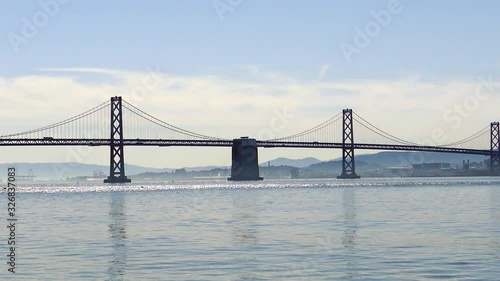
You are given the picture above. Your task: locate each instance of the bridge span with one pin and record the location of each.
(88, 129)
(229, 143)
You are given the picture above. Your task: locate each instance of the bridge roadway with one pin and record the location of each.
(47, 141)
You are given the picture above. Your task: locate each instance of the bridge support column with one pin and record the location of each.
(494, 149)
(116, 160)
(245, 162)
(348, 165)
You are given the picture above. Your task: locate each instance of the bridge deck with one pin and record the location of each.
(228, 143)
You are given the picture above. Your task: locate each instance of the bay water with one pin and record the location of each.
(324, 229)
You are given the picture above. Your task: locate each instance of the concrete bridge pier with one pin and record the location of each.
(245, 162)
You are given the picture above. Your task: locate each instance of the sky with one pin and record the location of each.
(229, 67)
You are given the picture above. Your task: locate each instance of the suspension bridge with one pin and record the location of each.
(118, 123)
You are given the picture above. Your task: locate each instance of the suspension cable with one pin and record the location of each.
(382, 133)
(66, 121)
(311, 130)
(165, 125)
(470, 138)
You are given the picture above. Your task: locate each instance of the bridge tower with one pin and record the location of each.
(245, 163)
(348, 166)
(116, 160)
(495, 149)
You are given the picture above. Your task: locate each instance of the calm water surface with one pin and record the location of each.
(368, 229)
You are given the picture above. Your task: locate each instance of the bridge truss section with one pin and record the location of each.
(117, 159)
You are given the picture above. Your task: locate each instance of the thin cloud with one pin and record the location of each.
(80, 70)
(323, 71)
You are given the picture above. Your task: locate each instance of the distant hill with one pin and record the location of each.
(395, 159)
(403, 158)
(47, 171)
(57, 171)
(301, 163)
(366, 162)
(202, 168)
(336, 166)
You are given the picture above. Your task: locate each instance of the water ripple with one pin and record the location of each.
(268, 184)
